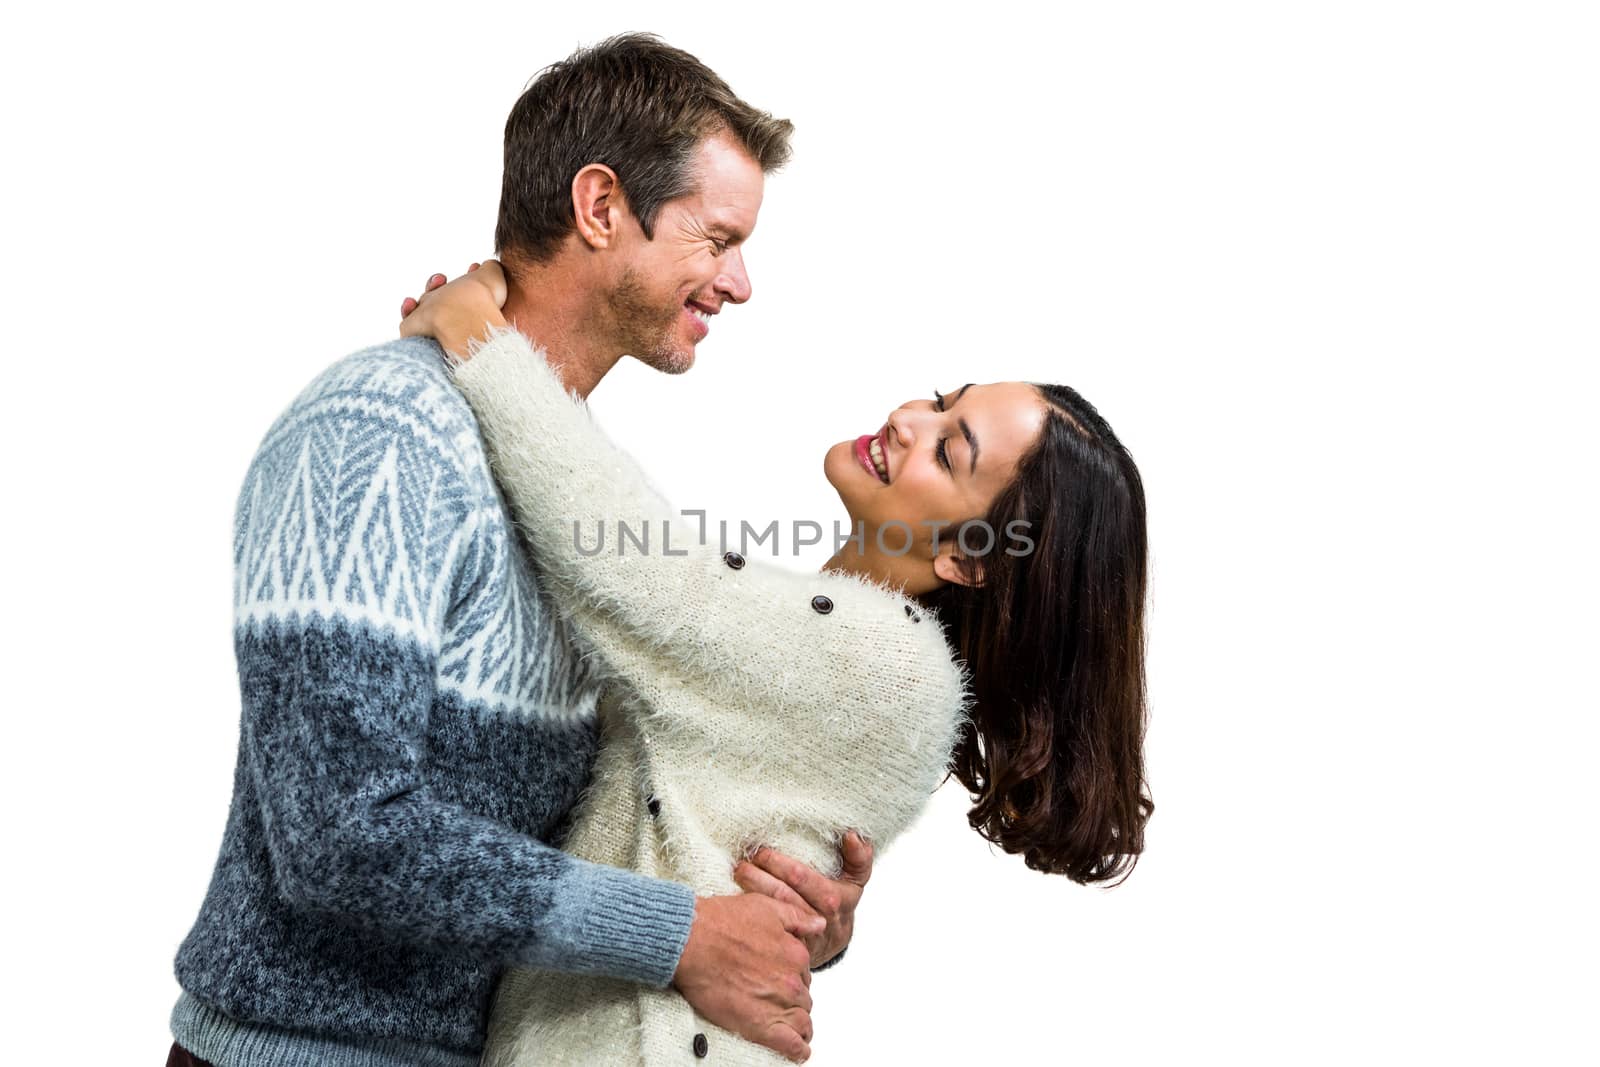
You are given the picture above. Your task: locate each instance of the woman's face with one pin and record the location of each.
(935, 461)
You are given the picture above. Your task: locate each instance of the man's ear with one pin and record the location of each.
(596, 204)
(952, 567)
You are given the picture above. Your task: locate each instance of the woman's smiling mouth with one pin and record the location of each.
(871, 456)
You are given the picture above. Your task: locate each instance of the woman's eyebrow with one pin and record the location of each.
(966, 431)
(972, 444)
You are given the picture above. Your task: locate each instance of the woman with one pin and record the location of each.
(752, 706)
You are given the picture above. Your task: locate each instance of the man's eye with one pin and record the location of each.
(720, 246)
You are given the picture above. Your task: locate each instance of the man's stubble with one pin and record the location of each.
(648, 331)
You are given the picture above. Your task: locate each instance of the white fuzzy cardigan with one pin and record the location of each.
(749, 716)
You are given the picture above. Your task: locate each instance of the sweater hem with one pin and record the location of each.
(221, 1040)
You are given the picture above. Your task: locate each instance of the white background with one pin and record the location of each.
(1330, 270)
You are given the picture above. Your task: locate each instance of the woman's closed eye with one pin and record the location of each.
(941, 453)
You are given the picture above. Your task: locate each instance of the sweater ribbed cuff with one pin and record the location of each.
(614, 923)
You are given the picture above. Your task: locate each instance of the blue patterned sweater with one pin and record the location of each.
(416, 724)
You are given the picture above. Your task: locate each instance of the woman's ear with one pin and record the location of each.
(596, 201)
(955, 569)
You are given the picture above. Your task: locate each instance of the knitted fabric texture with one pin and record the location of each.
(415, 728)
(735, 714)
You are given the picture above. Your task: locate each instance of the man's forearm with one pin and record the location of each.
(353, 830)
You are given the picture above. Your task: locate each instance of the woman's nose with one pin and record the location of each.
(903, 421)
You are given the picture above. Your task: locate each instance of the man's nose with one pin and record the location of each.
(734, 283)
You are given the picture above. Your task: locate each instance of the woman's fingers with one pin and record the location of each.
(409, 304)
(495, 282)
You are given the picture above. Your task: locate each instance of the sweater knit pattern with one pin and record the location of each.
(367, 497)
(415, 726)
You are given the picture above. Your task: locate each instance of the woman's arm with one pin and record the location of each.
(735, 624)
(813, 722)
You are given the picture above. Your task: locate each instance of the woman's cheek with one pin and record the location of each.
(915, 503)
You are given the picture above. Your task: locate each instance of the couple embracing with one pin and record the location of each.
(500, 799)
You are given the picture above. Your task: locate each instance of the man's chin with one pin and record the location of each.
(669, 360)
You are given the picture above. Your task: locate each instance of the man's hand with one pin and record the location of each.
(786, 879)
(746, 969)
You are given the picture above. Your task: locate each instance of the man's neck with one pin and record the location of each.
(554, 306)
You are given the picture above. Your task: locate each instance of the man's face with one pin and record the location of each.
(670, 286)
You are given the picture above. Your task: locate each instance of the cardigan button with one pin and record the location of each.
(913, 616)
(701, 1046)
(654, 805)
(821, 605)
(734, 560)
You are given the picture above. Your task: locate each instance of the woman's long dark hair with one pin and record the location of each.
(1053, 639)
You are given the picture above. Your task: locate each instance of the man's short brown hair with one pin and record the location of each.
(637, 105)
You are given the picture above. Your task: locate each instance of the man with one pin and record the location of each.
(415, 725)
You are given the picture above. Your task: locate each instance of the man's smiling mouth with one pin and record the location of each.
(700, 316)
